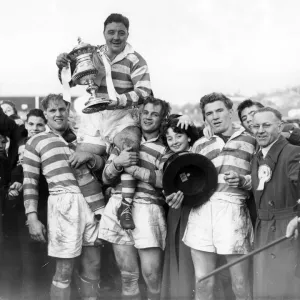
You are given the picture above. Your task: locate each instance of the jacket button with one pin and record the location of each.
(273, 228)
(271, 203)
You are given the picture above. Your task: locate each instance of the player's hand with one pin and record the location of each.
(126, 158)
(174, 200)
(233, 179)
(112, 105)
(184, 122)
(79, 158)
(62, 60)
(292, 229)
(15, 189)
(207, 131)
(37, 230)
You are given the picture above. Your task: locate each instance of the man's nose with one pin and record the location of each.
(116, 36)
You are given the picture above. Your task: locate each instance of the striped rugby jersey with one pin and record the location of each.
(50, 153)
(235, 155)
(130, 75)
(153, 154)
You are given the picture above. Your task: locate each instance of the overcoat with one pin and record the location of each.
(274, 268)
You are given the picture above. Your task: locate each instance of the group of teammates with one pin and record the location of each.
(134, 219)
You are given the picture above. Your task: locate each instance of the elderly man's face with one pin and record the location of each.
(266, 128)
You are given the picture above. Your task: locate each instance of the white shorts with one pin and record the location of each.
(101, 127)
(221, 227)
(150, 225)
(71, 225)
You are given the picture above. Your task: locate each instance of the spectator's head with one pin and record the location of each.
(56, 111)
(267, 125)
(246, 110)
(153, 112)
(9, 108)
(116, 33)
(36, 122)
(3, 141)
(178, 139)
(217, 111)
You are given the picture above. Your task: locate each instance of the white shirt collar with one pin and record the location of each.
(265, 150)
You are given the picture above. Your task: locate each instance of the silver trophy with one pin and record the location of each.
(84, 74)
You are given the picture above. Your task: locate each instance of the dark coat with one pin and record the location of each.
(274, 268)
(178, 279)
(9, 128)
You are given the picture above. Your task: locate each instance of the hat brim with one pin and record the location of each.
(193, 174)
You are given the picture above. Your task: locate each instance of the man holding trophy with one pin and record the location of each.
(121, 82)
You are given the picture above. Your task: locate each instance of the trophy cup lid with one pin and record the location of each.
(81, 48)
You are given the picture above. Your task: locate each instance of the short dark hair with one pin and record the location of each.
(52, 97)
(245, 104)
(117, 18)
(166, 108)
(36, 112)
(213, 97)
(277, 114)
(171, 122)
(10, 103)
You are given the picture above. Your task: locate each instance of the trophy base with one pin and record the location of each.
(95, 105)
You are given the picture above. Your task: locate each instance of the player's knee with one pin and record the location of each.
(205, 288)
(240, 287)
(130, 282)
(64, 269)
(90, 262)
(128, 137)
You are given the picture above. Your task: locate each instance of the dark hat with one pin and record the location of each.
(193, 174)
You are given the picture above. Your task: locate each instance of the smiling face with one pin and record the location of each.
(247, 117)
(115, 35)
(57, 115)
(151, 117)
(266, 128)
(177, 142)
(35, 125)
(219, 117)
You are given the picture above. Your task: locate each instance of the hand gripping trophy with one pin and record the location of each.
(83, 57)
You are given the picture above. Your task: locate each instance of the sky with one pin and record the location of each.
(192, 47)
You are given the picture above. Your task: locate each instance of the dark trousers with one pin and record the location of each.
(37, 267)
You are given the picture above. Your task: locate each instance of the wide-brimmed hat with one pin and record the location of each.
(193, 174)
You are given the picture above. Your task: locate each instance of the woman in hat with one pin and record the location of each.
(178, 270)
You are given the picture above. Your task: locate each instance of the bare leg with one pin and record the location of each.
(240, 278)
(60, 288)
(128, 137)
(88, 279)
(126, 257)
(204, 262)
(151, 264)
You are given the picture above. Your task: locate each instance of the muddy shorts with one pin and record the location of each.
(71, 225)
(150, 225)
(220, 226)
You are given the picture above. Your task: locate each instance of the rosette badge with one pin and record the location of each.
(85, 73)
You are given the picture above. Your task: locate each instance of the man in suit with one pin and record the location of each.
(275, 170)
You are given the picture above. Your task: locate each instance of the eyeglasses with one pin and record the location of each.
(264, 126)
